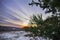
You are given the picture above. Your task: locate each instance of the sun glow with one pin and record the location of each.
(24, 24)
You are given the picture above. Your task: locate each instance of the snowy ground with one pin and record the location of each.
(15, 35)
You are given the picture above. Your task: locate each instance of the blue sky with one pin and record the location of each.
(17, 12)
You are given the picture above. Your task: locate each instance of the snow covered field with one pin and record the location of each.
(16, 35)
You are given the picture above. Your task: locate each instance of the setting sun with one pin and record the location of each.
(24, 24)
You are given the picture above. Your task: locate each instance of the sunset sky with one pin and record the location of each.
(17, 12)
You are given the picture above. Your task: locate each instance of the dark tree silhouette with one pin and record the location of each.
(54, 7)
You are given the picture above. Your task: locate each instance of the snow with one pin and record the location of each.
(16, 35)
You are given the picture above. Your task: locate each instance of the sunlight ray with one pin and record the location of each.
(16, 22)
(20, 8)
(24, 9)
(10, 25)
(17, 13)
(7, 23)
(12, 21)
